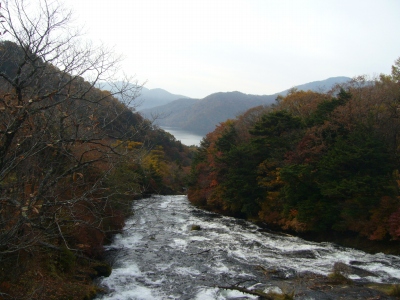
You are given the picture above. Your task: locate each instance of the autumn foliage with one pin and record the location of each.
(313, 162)
(72, 156)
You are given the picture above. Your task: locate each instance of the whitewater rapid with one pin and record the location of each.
(158, 256)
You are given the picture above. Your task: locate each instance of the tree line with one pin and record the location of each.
(320, 163)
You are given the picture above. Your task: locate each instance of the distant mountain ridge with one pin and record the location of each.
(148, 98)
(200, 116)
(319, 86)
(156, 97)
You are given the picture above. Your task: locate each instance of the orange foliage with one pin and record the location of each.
(302, 103)
(207, 191)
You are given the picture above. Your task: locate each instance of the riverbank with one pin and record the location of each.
(51, 275)
(344, 239)
(357, 242)
(45, 271)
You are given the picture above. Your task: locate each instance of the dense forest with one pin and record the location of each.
(72, 157)
(313, 163)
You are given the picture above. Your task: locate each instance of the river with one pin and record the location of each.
(158, 256)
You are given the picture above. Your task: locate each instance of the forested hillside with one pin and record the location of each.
(72, 157)
(322, 163)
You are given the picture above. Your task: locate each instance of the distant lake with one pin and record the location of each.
(187, 138)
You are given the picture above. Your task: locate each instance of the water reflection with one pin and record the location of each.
(187, 138)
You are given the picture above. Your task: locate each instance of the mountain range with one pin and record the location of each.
(156, 97)
(200, 116)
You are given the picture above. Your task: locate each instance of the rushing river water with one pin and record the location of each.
(158, 256)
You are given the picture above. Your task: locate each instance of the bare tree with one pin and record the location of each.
(58, 132)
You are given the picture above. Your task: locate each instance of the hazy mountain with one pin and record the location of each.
(156, 97)
(177, 109)
(148, 97)
(321, 86)
(202, 115)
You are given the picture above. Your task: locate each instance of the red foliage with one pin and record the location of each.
(394, 225)
(308, 150)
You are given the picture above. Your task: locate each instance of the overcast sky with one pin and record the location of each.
(195, 48)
